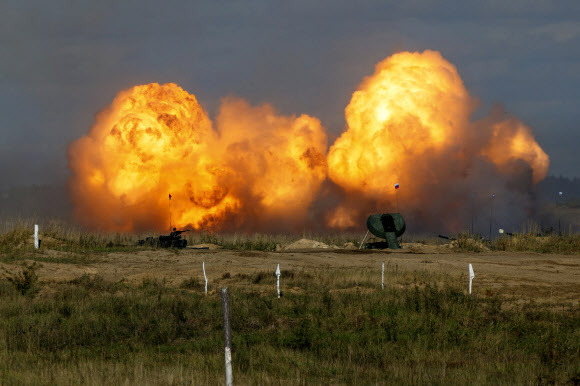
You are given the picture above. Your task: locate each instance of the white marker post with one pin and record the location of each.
(471, 276)
(36, 241)
(278, 273)
(205, 277)
(383, 276)
(227, 336)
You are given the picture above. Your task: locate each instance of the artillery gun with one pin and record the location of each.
(173, 240)
(388, 226)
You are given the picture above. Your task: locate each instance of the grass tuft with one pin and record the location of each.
(25, 281)
(468, 243)
(563, 244)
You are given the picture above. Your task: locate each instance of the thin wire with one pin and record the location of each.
(363, 240)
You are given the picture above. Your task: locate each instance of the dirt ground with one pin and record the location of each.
(523, 275)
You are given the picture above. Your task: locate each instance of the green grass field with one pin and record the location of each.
(332, 325)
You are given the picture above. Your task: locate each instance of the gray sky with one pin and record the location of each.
(62, 61)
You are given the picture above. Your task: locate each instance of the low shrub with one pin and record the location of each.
(25, 281)
(564, 244)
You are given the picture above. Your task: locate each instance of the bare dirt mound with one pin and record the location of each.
(419, 248)
(349, 246)
(309, 244)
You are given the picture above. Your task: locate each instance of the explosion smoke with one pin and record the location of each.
(408, 123)
(154, 140)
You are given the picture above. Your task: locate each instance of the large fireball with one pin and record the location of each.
(156, 140)
(257, 170)
(409, 123)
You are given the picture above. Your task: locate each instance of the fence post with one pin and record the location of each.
(36, 243)
(278, 273)
(471, 276)
(204, 276)
(383, 276)
(227, 336)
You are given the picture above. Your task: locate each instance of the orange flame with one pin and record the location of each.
(408, 123)
(154, 140)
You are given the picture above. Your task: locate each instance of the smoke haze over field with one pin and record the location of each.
(410, 123)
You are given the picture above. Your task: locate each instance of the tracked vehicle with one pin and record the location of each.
(173, 240)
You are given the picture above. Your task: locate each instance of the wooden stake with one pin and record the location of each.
(383, 276)
(278, 273)
(204, 276)
(36, 241)
(227, 336)
(471, 276)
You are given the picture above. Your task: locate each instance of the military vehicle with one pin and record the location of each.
(388, 226)
(174, 240)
